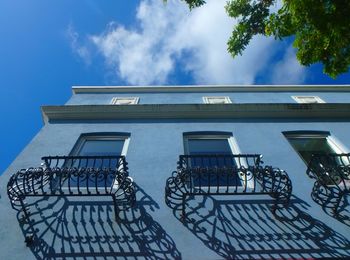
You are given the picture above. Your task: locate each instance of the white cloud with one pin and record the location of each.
(170, 34)
(79, 49)
(288, 70)
(143, 56)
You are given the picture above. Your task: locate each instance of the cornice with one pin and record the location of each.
(327, 111)
(210, 88)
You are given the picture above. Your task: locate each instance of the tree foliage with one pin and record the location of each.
(321, 28)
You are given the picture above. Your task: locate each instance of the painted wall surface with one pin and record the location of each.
(190, 98)
(222, 227)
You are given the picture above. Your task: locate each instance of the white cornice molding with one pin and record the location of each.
(210, 88)
(324, 112)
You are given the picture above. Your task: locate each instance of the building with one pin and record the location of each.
(182, 191)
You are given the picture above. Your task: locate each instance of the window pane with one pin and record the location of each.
(107, 147)
(208, 146)
(206, 149)
(308, 146)
(318, 145)
(101, 148)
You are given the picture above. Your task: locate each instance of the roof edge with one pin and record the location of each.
(324, 111)
(210, 88)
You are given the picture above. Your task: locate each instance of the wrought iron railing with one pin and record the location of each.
(225, 175)
(214, 173)
(332, 179)
(74, 176)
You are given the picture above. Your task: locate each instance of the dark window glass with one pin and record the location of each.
(101, 148)
(96, 147)
(324, 165)
(308, 146)
(208, 148)
(214, 155)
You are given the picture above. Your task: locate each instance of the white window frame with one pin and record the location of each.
(133, 100)
(301, 99)
(233, 146)
(333, 142)
(77, 148)
(226, 100)
(81, 141)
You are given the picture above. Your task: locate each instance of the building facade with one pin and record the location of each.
(199, 172)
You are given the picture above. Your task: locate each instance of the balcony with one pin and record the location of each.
(241, 174)
(332, 180)
(73, 176)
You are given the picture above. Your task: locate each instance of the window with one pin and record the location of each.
(96, 145)
(125, 100)
(101, 145)
(209, 151)
(307, 143)
(308, 99)
(216, 100)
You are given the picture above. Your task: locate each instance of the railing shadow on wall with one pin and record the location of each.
(331, 189)
(67, 228)
(246, 229)
(328, 198)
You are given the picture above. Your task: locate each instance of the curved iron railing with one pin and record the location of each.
(225, 175)
(332, 179)
(74, 176)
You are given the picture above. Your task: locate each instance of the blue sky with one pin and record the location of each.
(48, 46)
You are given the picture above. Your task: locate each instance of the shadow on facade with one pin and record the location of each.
(247, 229)
(334, 205)
(343, 214)
(87, 229)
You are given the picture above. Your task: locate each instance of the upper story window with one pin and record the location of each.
(207, 145)
(212, 151)
(98, 151)
(217, 100)
(320, 144)
(306, 143)
(308, 99)
(125, 100)
(103, 144)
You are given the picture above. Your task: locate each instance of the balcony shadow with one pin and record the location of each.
(338, 208)
(246, 229)
(71, 228)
